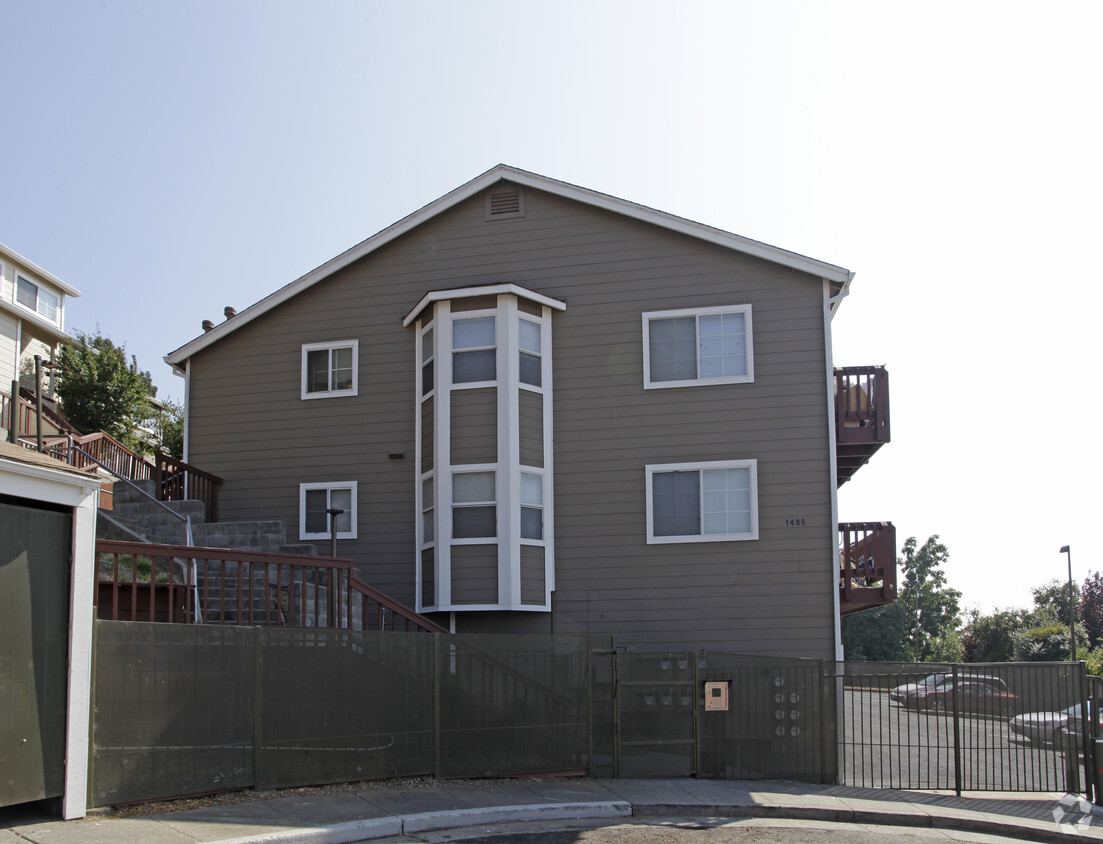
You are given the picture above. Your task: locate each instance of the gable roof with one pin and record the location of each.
(32, 268)
(820, 269)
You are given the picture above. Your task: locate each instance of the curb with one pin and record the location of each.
(343, 833)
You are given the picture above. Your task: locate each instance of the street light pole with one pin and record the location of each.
(1072, 606)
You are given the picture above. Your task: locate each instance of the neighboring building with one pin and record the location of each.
(544, 408)
(32, 319)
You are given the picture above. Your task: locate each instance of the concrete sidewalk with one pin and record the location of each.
(380, 811)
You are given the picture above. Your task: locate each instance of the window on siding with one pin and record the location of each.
(427, 532)
(474, 510)
(427, 361)
(532, 506)
(706, 502)
(529, 342)
(473, 350)
(330, 369)
(30, 295)
(704, 346)
(316, 498)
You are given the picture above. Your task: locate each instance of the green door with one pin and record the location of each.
(34, 623)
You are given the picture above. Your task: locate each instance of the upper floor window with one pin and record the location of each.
(315, 500)
(427, 361)
(532, 506)
(529, 342)
(704, 502)
(330, 369)
(701, 346)
(474, 510)
(30, 295)
(474, 358)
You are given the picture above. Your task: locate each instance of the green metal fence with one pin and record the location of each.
(185, 709)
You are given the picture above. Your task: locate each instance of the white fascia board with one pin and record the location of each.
(39, 322)
(33, 269)
(524, 178)
(485, 290)
(46, 484)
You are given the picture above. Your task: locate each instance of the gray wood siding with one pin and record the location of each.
(474, 574)
(531, 416)
(770, 596)
(474, 426)
(532, 575)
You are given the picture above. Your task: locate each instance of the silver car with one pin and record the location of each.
(901, 693)
(1049, 727)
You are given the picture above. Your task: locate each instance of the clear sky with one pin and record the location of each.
(171, 158)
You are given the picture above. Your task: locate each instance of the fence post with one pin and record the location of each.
(258, 709)
(616, 713)
(957, 733)
(436, 705)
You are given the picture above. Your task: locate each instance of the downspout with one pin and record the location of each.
(830, 305)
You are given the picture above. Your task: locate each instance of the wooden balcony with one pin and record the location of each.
(861, 417)
(867, 565)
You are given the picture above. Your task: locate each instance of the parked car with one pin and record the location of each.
(977, 696)
(1060, 728)
(900, 693)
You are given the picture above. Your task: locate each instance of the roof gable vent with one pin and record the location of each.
(505, 202)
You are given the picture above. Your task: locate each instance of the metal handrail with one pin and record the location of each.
(185, 519)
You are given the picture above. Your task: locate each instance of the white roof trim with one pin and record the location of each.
(38, 322)
(819, 269)
(485, 290)
(33, 269)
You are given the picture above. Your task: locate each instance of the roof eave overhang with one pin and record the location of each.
(819, 269)
(483, 290)
(33, 269)
(39, 323)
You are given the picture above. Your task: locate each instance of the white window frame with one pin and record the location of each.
(653, 470)
(453, 351)
(330, 346)
(329, 486)
(648, 384)
(523, 505)
(474, 469)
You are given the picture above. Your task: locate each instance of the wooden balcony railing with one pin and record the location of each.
(867, 565)
(26, 419)
(861, 416)
(184, 584)
(177, 481)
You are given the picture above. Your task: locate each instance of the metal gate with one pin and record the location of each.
(778, 721)
(34, 629)
(994, 727)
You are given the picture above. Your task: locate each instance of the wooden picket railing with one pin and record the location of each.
(186, 584)
(867, 565)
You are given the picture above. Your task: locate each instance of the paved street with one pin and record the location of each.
(890, 746)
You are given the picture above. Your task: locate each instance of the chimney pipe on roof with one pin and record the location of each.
(207, 326)
(230, 311)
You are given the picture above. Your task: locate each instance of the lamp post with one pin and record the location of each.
(915, 630)
(1072, 606)
(333, 512)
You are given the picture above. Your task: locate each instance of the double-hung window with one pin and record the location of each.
(703, 502)
(30, 295)
(316, 499)
(330, 369)
(698, 346)
(529, 342)
(532, 506)
(474, 505)
(474, 355)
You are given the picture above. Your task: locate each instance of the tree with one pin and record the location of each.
(876, 635)
(988, 638)
(934, 607)
(168, 428)
(1091, 607)
(1051, 602)
(1047, 644)
(101, 391)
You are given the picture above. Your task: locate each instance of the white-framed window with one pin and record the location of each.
(697, 346)
(474, 505)
(427, 374)
(528, 340)
(428, 534)
(474, 355)
(702, 502)
(330, 369)
(36, 298)
(316, 498)
(532, 505)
